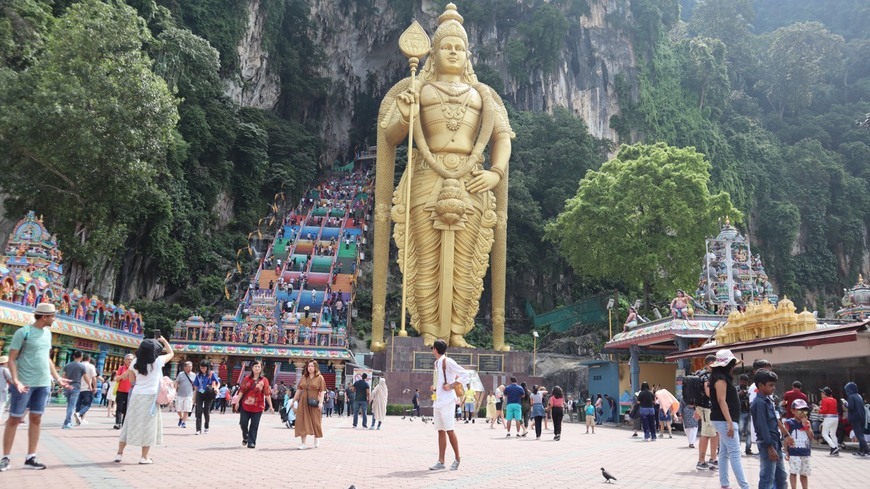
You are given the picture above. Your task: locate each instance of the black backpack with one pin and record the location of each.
(693, 390)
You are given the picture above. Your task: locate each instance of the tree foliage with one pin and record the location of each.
(642, 218)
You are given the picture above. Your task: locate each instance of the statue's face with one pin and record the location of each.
(451, 56)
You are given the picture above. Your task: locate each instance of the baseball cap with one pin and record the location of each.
(827, 390)
(799, 404)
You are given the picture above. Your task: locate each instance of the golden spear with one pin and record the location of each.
(414, 43)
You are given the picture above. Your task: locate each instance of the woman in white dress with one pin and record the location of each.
(379, 403)
(110, 396)
(143, 426)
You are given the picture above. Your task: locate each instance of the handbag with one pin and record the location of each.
(312, 402)
(457, 386)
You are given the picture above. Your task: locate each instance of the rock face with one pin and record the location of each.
(360, 39)
(255, 86)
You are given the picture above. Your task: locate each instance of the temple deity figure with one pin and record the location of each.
(458, 200)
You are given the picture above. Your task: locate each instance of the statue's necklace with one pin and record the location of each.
(453, 109)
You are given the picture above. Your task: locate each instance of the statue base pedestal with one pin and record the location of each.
(407, 364)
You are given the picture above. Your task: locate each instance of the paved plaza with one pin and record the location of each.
(398, 456)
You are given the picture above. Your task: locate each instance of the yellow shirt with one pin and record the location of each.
(469, 395)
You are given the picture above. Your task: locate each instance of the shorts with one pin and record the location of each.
(590, 421)
(444, 418)
(513, 412)
(469, 407)
(184, 404)
(33, 400)
(800, 466)
(498, 406)
(705, 425)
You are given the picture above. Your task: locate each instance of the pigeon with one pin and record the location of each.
(607, 476)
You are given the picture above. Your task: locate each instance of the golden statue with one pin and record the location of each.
(458, 209)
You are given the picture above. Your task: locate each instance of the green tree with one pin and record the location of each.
(730, 21)
(706, 73)
(85, 131)
(798, 60)
(24, 25)
(642, 218)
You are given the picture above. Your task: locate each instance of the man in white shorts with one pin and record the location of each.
(447, 372)
(184, 393)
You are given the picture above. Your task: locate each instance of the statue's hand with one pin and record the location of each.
(407, 102)
(483, 180)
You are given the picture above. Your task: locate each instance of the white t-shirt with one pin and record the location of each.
(148, 384)
(454, 373)
(91, 372)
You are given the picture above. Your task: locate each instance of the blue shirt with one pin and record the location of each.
(514, 393)
(764, 420)
(203, 381)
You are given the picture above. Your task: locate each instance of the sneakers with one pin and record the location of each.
(31, 463)
(77, 418)
(252, 445)
(67, 426)
(197, 432)
(116, 427)
(860, 454)
(4, 464)
(118, 458)
(702, 466)
(302, 447)
(455, 465)
(183, 424)
(508, 435)
(244, 442)
(557, 437)
(714, 464)
(179, 423)
(145, 461)
(835, 451)
(83, 420)
(206, 431)
(437, 466)
(749, 453)
(316, 442)
(691, 445)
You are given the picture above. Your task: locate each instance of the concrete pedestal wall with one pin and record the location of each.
(397, 363)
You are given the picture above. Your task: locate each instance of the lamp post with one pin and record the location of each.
(535, 354)
(392, 343)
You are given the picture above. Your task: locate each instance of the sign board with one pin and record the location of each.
(487, 362)
(423, 360)
(463, 359)
(357, 375)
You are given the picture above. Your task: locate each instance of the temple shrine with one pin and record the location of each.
(736, 307)
(298, 304)
(31, 272)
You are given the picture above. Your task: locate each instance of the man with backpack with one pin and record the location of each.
(708, 434)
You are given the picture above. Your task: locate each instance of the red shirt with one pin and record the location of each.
(828, 406)
(789, 397)
(557, 401)
(254, 394)
(123, 385)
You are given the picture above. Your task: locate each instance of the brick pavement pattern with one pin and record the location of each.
(397, 456)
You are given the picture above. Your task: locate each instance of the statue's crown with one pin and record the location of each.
(450, 24)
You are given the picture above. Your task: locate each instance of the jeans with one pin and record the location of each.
(729, 454)
(360, 406)
(86, 398)
(339, 407)
(557, 420)
(250, 423)
(745, 422)
(648, 420)
(202, 403)
(773, 474)
(121, 407)
(72, 397)
(859, 433)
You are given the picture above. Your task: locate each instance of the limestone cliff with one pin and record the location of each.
(254, 85)
(359, 40)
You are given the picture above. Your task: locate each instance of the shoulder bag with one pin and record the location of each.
(312, 401)
(458, 388)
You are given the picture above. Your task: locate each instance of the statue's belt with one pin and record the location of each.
(447, 165)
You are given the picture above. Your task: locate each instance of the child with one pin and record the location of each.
(290, 406)
(690, 424)
(590, 416)
(767, 432)
(665, 419)
(798, 455)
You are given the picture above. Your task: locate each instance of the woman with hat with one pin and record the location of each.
(724, 414)
(828, 409)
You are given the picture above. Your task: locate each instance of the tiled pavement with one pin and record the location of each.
(396, 456)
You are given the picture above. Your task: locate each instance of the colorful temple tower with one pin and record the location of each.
(31, 272)
(856, 302)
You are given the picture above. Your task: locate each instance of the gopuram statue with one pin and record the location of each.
(457, 201)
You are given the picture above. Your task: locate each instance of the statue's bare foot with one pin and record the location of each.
(458, 341)
(429, 339)
(502, 348)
